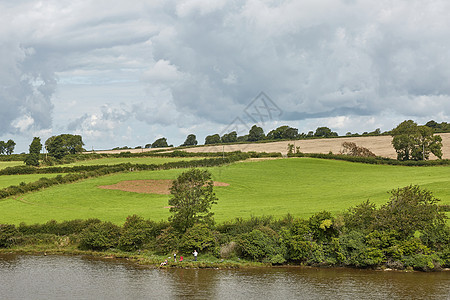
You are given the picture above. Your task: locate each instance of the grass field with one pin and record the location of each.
(300, 186)
(5, 164)
(9, 180)
(132, 160)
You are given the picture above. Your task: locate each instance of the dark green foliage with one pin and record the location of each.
(191, 140)
(212, 139)
(321, 226)
(438, 127)
(260, 244)
(136, 232)
(7, 235)
(355, 252)
(7, 147)
(100, 236)
(191, 199)
(408, 210)
(230, 137)
(412, 142)
(360, 217)
(64, 144)
(52, 227)
(256, 134)
(160, 143)
(298, 240)
(199, 237)
(240, 225)
(35, 149)
(283, 132)
(168, 240)
(324, 132)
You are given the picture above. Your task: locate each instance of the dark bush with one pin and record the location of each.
(8, 233)
(100, 236)
(135, 233)
(199, 237)
(260, 244)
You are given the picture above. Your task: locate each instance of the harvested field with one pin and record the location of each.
(380, 145)
(161, 187)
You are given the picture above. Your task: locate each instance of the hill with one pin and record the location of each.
(380, 145)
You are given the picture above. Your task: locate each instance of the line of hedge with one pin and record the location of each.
(85, 172)
(375, 160)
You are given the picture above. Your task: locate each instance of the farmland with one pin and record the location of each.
(299, 186)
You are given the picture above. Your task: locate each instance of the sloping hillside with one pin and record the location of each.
(380, 145)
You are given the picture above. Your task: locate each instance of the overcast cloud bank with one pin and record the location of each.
(126, 73)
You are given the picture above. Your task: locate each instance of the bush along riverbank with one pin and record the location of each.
(409, 232)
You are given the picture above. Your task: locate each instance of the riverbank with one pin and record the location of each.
(140, 258)
(152, 261)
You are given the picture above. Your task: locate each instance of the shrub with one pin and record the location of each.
(7, 235)
(168, 240)
(100, 236)
(321, 225)
(135, 233)
(200, 238)
(423, 262)
(259, 245)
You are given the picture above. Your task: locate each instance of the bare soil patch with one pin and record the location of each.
(161, 186)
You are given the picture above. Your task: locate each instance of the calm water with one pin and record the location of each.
(60, 277)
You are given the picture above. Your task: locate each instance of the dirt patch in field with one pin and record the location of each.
(161, 186)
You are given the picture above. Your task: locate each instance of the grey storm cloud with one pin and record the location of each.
(205, 61)
(314, 58)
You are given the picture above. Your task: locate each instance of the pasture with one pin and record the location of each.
(6, 164)
(131, 160)
(299, 186)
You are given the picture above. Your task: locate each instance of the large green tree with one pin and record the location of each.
(191, 199)
(61, 145)
(256, 133)
(212, 139)
(283, 132)
(324, 132)
(230, 137)
(7, 147)
(415, 142)
(32, 159)
(191, 140)
(160, 143)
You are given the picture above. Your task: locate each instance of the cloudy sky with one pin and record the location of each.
(123, 73)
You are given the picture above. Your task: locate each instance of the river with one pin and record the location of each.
(76, 277)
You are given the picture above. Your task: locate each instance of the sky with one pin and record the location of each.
(124, 73)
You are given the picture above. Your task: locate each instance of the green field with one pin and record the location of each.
(131, 160)
(5, 164)
(9, 180)
(300, 186)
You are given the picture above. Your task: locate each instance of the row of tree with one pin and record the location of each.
(256, 133)
(57, 147)
(7, 147)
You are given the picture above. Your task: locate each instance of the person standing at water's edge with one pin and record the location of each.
(175, 257)
(195, 255)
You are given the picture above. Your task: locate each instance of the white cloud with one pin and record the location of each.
(193, 62)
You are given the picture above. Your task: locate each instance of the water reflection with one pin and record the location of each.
(58, 277)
